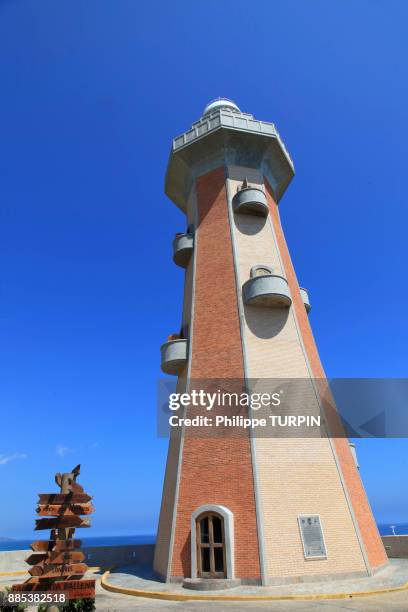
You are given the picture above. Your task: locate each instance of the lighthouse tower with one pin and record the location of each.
(263, 510)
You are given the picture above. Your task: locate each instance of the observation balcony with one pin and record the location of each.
(268, 290)
(183, 245)
(354, 454)
(250, 201)
(174, 355)
(305, 298)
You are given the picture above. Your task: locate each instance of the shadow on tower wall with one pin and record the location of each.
(249, 224)
(265, 322)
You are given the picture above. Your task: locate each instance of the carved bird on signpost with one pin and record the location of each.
(67, 481)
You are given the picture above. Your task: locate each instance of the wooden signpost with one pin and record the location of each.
(57, 563)
(64, 510)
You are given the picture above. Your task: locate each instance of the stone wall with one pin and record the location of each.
(95, 556)
(396, 546)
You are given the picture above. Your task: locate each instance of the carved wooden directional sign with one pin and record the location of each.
(67, 556)
(36, 557)
(57, 563)
(62, 522)
(45, 569)
(55, 545)
(64, 509)
(58, 498)
(75, 589)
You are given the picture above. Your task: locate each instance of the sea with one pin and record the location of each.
(101, 541)
(123, 540)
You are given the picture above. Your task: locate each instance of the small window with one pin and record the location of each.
(205, 534)
(205, 560)
(261, 271)
(217, 529)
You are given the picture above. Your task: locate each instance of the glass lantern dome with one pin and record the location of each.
(220, 103)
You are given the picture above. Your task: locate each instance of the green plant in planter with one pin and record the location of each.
(20, 607)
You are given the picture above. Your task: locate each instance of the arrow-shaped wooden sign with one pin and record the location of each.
(51, 570)
(36, 557)
(64, 498)
(62, 522)
(64, 509)
(67, 556)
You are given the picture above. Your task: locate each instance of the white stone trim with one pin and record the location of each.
(242, 323)
(193, 262)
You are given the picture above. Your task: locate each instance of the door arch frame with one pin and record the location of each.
(228, 534)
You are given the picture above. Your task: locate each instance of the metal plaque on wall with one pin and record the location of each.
(312, 536)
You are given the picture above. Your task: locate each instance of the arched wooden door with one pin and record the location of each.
(210, 546)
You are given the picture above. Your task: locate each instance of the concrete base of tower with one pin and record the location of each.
(140, 581)
(211, 584)
(311, 578)
(270, 581)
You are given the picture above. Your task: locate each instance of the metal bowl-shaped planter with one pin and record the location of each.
(305, 298)
(269, 290)
(183, 245)
(174, 355)
(250, 201)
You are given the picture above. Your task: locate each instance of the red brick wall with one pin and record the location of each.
(216, 470)
(368, 528)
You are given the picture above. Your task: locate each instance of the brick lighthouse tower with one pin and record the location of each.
(263, 510)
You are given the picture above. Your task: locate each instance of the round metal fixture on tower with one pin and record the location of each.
(220, 103)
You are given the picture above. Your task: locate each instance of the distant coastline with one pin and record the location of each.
(12, 544)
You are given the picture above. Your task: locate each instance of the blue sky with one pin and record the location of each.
(91, 95)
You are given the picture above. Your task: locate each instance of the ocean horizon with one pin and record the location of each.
(17, 544)
(128, 540)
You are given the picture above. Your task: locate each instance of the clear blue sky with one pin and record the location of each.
(92, 93)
